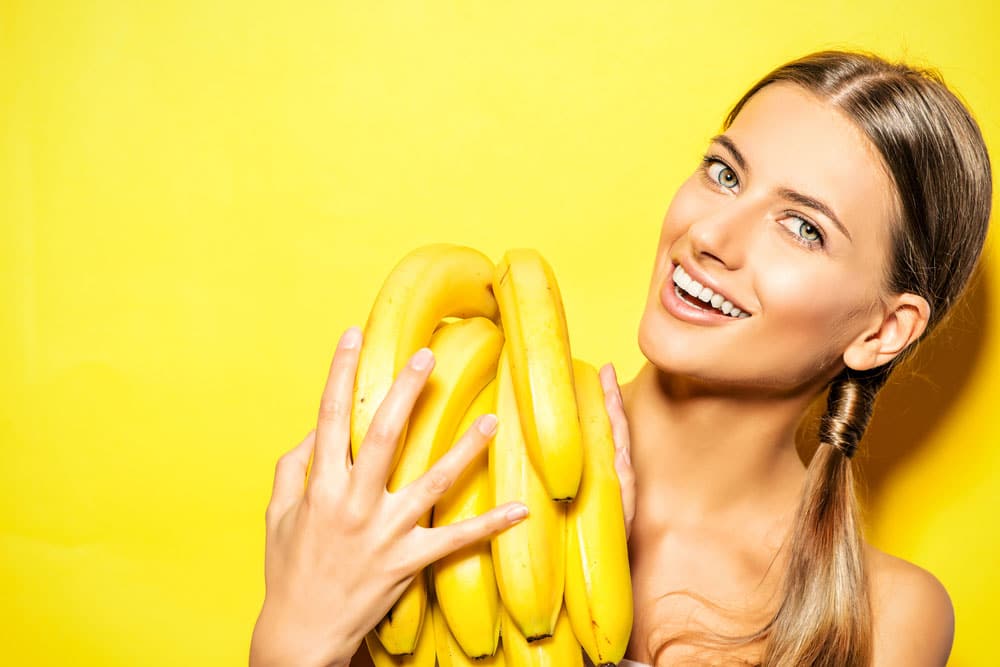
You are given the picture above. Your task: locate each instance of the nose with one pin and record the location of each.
(725, 232)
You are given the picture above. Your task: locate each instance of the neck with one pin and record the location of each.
(699, 452)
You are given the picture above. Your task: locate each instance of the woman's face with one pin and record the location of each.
(743, 225)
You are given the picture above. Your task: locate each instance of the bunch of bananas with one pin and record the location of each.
(558, 581)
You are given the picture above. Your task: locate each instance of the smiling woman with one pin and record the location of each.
(827, 231)
(844, 207)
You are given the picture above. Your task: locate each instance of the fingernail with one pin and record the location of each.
(422, 359)
(488, 424)
(517, 513)
(351, 338)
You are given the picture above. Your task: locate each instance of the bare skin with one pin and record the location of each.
(713, 413)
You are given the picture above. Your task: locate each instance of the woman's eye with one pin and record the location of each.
(719, 173)
(806, 233)
(809, 231)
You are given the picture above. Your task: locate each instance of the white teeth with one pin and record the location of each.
(681, 278)
(705, 294)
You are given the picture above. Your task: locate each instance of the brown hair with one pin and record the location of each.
(935, 154)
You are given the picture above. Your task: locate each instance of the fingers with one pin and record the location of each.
(444, 540)
(420, 495)
(333, 426)
(289, 477)
(623, 446)
(616, 408)
(371, 469)
(626, 480)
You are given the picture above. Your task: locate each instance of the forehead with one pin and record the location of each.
(791, 138)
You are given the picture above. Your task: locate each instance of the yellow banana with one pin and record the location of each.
(464, 582)
(542, 367)
(427, 285)
(559, 650)
(598, 583)
(466, 353)
(528, 558)
(449, 653)
(422, 656)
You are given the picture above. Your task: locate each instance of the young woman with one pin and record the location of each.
(841, 212)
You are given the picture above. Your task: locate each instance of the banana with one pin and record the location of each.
(559, 650)
(449, 653)
(534, 324)
(466, 353)
(427, 285)
(422, 656)
(464, 581)
(528, 558)
(598, 582)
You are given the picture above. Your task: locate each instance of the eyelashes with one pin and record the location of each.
(714, 170)
(707, 161)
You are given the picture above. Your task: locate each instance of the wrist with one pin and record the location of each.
(273, 645)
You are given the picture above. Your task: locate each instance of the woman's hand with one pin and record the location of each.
(619, 427)
(341, 551)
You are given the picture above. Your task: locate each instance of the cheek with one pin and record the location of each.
(805, 307)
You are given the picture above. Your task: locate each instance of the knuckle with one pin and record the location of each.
(381, 433)
(402, 570)
(437, 482)
(459, 537)
(334, 409)
(318, 496)
(353, 513)
(284, 461)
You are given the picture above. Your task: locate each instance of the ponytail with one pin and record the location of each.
(825, 616)
(935, 152)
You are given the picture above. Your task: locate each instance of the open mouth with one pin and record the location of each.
(702, 297)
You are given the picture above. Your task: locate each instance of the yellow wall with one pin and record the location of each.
(197, 197)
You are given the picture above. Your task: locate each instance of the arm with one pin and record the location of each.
(914, 619)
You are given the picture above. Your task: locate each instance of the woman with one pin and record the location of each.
(841, 213)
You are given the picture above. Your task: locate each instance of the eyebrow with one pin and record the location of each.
(728, 143)
(806, 200)
(785, 192)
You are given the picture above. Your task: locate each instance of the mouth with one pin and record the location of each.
(688, 300)
(697, 294)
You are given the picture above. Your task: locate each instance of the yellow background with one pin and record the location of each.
(197, 197)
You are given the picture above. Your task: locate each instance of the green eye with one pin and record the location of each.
(730, 181)
(811, 233)
(725, 177)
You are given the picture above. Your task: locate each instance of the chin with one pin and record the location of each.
(666, 351)
(673, 351)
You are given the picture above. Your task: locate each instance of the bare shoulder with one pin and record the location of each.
(914, 621)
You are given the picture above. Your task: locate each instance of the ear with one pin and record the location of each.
(900, 322)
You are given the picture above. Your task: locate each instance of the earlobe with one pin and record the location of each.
(902, 323)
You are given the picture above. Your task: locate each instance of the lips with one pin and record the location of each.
(686, 312)
(688, 286)
(707, 281)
